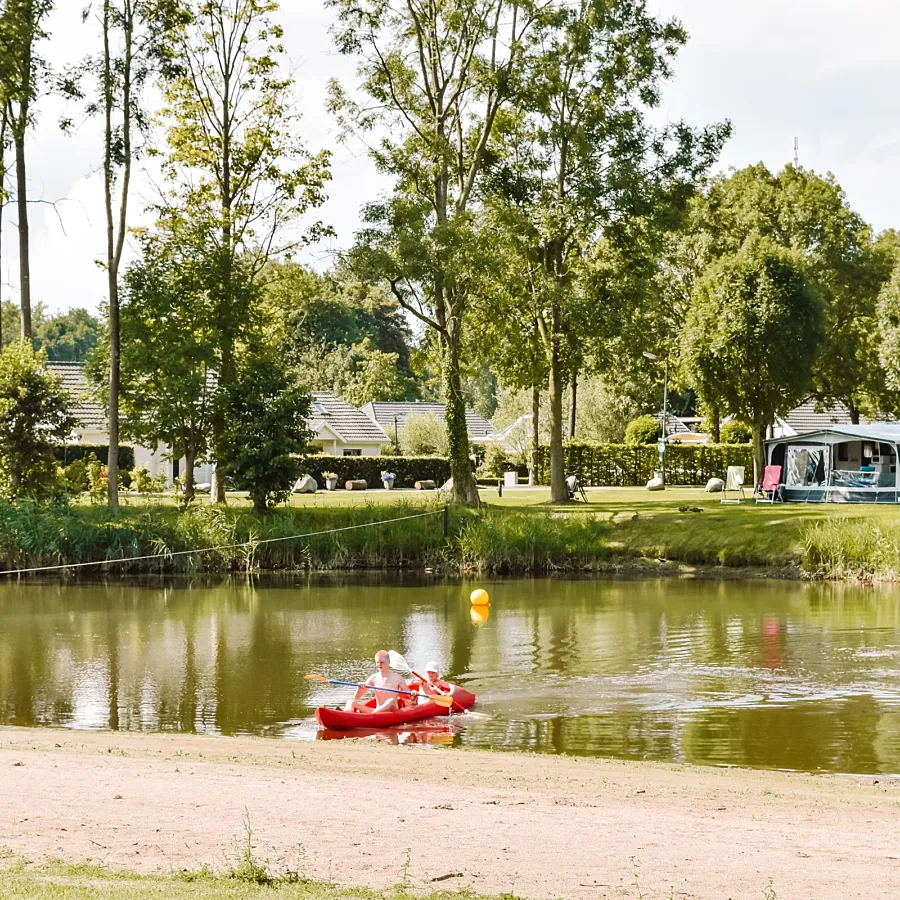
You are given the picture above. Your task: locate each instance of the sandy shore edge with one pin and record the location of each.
(538, 826)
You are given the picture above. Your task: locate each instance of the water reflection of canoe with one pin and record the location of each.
(339, 719)
(433, 735)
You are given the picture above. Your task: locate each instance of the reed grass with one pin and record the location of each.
(857, 549)
(817, 542)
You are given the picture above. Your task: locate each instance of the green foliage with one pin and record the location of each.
(407, 470)
(34, 417)
(75, 477)
(735, 432)
(169, 345)
(642, 430)
(69, 336)
(495, 462)
(424, 434)
(98, 479)
(359, 373)
(755, 325)
(265, 413)
(618, 465)
(68, 453)
(807, 214)
(144, 483)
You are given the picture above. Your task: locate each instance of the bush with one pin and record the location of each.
(407, 469)
(69, 453)
(735, 432)
(616, 465)
(75, 477)
(642, 430)
(424, 435)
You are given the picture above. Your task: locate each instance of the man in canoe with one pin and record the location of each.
(383, 678)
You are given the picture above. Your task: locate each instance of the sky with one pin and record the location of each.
(823, 71)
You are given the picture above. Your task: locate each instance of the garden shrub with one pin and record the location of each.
(642, 430)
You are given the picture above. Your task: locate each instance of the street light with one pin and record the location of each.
(665, 417)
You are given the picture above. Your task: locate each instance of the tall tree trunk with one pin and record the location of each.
(4, 123)
(189, 460)
(24, 250)
(757, 431)
(853, 409)
(574, 405)
(465, 489)
(558, 491)
(715, 424)
(535, 434)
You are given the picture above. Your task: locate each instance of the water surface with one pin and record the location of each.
(770, 674)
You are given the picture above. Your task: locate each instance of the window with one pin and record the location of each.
(843, 455)
(318, 408)
(353, 453)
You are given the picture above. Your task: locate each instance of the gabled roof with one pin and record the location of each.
(85, 407)
(884, 432)
(805, 418)
(383, 414)
(349, 424)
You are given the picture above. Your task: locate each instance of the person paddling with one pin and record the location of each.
(383, 678)
(433, 683)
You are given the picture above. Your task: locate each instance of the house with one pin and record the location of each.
(806, 418)
(840, 463)
(92, 425)
(343, 430)
(392, 417)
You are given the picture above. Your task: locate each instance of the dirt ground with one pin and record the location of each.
(363, 813)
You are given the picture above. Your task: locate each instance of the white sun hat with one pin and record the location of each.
(432, 666)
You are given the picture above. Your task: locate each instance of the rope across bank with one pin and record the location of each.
(171, 554)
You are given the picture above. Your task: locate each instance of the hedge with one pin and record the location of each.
(70, 452)
(617, 465)
(407, 469)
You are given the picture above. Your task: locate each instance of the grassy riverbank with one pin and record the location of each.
(519, 533)
(59, 880)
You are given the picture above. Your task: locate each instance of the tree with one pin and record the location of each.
(808, 214)
(66, 337)
(138, 29)
(169, 349)
(266, 429)
(887, 397)
(21, 75)
(752, 334)
(34, 417)
(435, 76)
(578, 165)
(235, 164)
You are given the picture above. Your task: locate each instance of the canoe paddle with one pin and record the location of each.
(398, 662)
(441, 699)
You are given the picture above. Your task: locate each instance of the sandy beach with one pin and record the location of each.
(364, 813)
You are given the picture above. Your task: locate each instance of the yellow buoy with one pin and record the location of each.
(479, 614)
(480, 597)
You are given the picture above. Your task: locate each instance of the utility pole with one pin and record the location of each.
(796, 152)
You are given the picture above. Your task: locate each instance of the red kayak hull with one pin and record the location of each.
(343, 721)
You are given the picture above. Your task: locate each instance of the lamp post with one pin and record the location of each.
(665, 417)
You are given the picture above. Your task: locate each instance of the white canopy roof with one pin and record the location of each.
(883, 432)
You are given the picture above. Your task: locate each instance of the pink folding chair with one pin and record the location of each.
(768, 491)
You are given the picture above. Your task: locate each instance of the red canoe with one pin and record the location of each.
(338, 718)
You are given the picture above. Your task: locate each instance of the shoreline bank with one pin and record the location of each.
(627, 535)
(535, 827)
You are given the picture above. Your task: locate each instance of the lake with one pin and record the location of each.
(765, 673)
